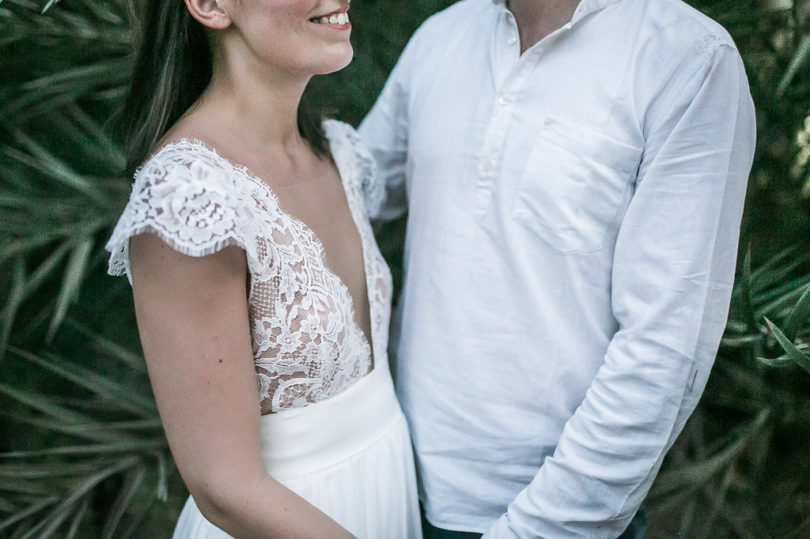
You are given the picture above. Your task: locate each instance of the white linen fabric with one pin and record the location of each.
(359, 472)
(572, 234)
(307, 344)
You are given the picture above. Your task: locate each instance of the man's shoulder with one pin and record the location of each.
(446, 21)
(682, 28)
(461, 9)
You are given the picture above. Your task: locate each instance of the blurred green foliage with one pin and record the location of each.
(82, 452)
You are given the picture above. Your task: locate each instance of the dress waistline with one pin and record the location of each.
(304, 440)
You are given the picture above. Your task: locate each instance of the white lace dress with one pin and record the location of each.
(331, 427)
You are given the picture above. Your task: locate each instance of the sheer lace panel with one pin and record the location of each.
(307, 345)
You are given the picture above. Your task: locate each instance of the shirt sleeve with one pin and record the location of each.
(187, 203)
(385, 132)
(672, 277)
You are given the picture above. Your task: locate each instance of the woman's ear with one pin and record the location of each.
(209, 13)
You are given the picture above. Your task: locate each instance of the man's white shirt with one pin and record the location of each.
(573, 222)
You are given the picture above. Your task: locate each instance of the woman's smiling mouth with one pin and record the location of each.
(334, 18)
(338, 17)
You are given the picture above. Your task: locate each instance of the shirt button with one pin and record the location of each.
(485, 167)
(512, 40)
(504, 100)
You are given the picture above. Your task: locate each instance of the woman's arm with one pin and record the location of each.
(193, 322)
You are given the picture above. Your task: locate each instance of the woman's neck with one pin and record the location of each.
(253, 105)
(252, 114)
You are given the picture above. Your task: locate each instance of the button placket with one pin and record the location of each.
(495, 137)
(502, 110)
(491, 153)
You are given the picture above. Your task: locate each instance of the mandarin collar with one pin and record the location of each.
(585, 7)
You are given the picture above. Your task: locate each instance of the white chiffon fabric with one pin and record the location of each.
(349, 456)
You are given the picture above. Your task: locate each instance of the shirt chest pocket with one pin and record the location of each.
(574, 185)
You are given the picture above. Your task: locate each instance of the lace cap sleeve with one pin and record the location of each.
(184, 196)
(346, 143)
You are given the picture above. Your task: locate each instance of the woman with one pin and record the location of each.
(253, 266)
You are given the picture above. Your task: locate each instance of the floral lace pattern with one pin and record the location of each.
(307, 345)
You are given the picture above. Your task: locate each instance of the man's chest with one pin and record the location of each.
(550, 141)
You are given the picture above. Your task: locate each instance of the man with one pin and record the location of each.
(575, 175)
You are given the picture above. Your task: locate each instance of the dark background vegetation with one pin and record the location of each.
(82, 453)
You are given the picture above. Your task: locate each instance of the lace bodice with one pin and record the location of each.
(307, 345)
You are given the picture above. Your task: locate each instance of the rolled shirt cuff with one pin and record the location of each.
(500, 530)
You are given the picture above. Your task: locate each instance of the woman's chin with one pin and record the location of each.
(338, 59)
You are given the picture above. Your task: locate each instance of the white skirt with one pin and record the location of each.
(350, 456)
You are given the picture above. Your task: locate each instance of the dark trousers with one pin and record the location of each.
(636, 530)
(429, 531)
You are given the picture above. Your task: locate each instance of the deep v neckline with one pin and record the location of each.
(368, 340)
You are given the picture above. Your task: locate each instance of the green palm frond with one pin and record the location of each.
(121, 440)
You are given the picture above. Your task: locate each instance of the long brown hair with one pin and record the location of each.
(173, 66)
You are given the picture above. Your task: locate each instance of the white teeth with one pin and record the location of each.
(340, 18)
